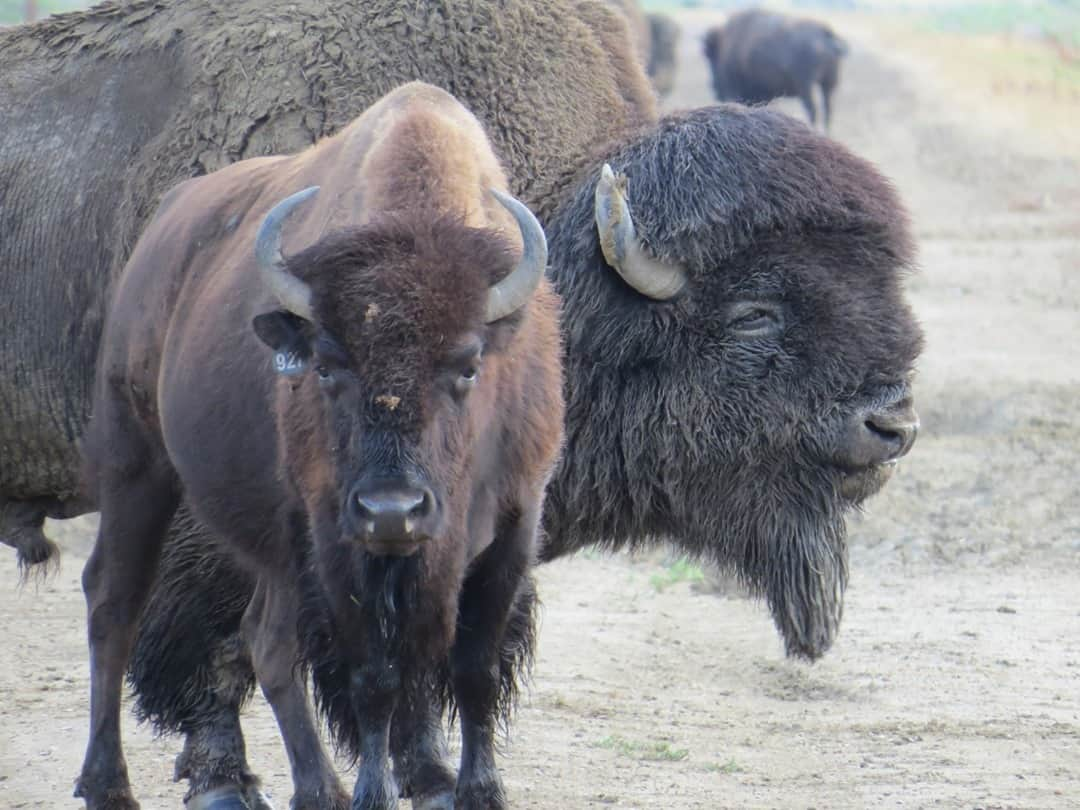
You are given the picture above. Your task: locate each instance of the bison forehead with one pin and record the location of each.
(404, 279)
(709, 182)
(398, 296)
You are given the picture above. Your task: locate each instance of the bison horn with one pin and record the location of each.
(294, 295)
(622, 249)
(512, 292)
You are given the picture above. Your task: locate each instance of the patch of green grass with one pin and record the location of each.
(731, 766)
(675, 571)
(649, 751)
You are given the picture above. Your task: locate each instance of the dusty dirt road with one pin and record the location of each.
(955, 682)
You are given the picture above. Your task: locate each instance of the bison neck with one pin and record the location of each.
(610, 486)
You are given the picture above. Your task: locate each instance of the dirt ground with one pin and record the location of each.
(955, 682)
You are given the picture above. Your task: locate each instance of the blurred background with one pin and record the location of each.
(954, 681)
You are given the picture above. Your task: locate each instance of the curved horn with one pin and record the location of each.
(294, 295)
(622, 250)
(513, 291)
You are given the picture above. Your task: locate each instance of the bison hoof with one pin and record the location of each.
(229, 797)
(436, 801)
(486, 794)
(257, 800)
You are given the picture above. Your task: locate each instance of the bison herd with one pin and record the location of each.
(346, 316)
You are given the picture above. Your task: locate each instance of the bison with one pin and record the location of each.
(663, 52)
(655, 38)
(383, 474)
(738, 419)
(757, 56)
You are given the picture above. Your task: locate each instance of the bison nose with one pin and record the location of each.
(879, 436)
(384, 515)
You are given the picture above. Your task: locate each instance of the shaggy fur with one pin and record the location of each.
(758, 56)
(103, 110)
(409, 389)
(680, 432)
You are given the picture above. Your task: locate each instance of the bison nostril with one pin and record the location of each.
(884, 433)
(424, 505)
(898, 432)
(386, 514)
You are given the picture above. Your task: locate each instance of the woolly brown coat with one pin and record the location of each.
(398, 250)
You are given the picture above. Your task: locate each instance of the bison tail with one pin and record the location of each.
(37, 559)
(22, 527)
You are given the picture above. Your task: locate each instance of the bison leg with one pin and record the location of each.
(270, 626)
(488, 601)
(191, 669)
(826, 103)
(807, 99)
(420, 753)
(137, 501)
(215, 765)
(375, 692)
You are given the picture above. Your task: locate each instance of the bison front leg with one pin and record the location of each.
(418, 745)
(137, 502)
(375, 689)
(270, 626)
(807, 99)
(497, 600)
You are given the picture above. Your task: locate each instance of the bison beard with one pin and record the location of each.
(797, 560)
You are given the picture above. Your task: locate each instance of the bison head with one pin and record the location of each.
(739, 353)
(392, 334)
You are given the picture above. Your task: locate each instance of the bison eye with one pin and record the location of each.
(466, 380)
(753, 319)
(323, 372)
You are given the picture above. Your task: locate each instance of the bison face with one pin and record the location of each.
(376, 431)
(759, 390)
(387, 336)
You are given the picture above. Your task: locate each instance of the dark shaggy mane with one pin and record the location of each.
(175, 677)
(330, 672)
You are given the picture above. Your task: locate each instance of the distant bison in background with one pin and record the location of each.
(758, 56)
(654, 37)
(663, 42)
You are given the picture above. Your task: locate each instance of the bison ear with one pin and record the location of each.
(288, 335)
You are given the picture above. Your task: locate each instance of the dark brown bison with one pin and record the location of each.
(758, 56)
(101, 111)
(394, 465)
(663, 52)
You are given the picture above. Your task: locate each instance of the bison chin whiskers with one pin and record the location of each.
(789, 551)
(805, 589)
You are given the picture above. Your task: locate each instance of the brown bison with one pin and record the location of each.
(368, 424)
(663, 52)
(758, 56)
